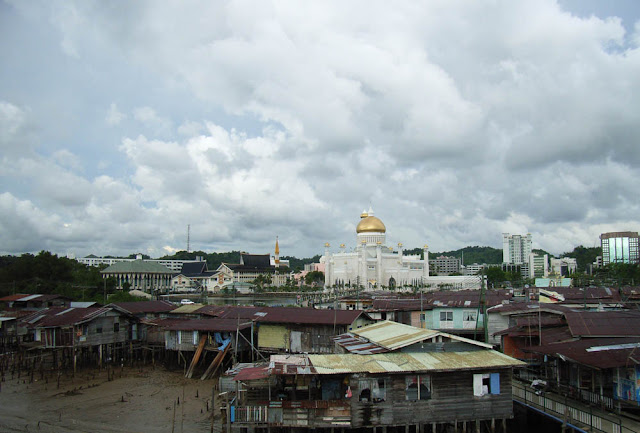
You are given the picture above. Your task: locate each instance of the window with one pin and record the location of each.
(469, 316)
(372, 389)
(446, 319)
(99, 330)
(116, 327)
(418, 387)
(485, 384)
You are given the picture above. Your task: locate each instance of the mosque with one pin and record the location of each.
(375, 266)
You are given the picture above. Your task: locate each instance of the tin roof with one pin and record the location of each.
(139, 307)
(393, 335)
(604, 323)
(453, 299)
(11, 298)
(187, 309)
(253, 373)
(403, 362)
(55, 317)
(599, 353)
(283, 314)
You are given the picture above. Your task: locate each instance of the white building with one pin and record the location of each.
(564, 266)
(516, 248)
(538, 265)
(374, 265)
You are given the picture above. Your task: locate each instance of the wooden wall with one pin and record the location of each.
(452, 399)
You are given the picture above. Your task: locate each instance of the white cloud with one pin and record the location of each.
(114, 117)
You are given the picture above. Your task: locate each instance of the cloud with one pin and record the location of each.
(114, 117)
(251, 120)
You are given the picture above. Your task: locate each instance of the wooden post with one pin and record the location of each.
(493, 425)
(228, 405)
(477, 426)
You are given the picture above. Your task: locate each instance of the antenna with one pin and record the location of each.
(188, 238)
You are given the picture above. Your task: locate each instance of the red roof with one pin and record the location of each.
(12, 298)
(253, 373)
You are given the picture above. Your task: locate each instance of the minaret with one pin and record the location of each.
(277, 254)
(327, 266)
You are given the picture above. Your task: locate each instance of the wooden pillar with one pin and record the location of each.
(433, 427)
(504, 425)
(493, 425)
(477, 426)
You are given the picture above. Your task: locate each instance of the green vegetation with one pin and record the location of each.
(584, 256)
(47, 273)
(475, 254)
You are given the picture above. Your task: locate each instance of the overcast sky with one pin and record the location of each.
(123, 122)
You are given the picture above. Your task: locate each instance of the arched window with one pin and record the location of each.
(392, 283)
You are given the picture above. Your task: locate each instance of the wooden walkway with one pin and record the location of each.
(582, 416)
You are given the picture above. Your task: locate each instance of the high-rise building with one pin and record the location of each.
(516, 248)
(538, 265)
(619, 247)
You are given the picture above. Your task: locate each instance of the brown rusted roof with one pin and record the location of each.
(430, 300)
(600, 353)
(140, 307)
(282, 314)
(253, 373)
(55, 317)
(604, 323)
(11, 298)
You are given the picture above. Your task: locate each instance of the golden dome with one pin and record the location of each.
(371, 224)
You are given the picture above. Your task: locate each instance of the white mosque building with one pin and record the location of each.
(375, 266)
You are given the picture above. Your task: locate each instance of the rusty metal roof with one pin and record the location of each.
(140, 307)
(187, 309)
(604, 323)
(599, 353)
(283, 314)
(55, 317)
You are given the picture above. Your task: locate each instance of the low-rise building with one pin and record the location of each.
(387, 375)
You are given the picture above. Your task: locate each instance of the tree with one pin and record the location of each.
(314, 278)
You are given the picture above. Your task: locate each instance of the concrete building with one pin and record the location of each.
(564, 266)
(445, 265)
(619, 247)
(538, 265)
(516, 248)
(143, 275)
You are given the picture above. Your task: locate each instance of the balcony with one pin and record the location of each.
(304, 413)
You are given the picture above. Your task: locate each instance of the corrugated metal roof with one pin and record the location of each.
(284, 314)
(187, 309)
(139, 307)
(624, 355)
(393, 335)
(64, 316)
(11, 298)
(604, 323)
(399, 362)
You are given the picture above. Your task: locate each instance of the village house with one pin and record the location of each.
(82, 334)
(33, 302)
(456, 312)
(194, 277)
(291, 329)
(592, 356)
(389, 375)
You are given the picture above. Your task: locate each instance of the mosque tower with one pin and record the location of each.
(277, 254)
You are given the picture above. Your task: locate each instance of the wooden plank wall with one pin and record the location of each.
(451, 399)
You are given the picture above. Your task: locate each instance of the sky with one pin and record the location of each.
(124, 123)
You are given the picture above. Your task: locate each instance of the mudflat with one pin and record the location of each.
(119, 400)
